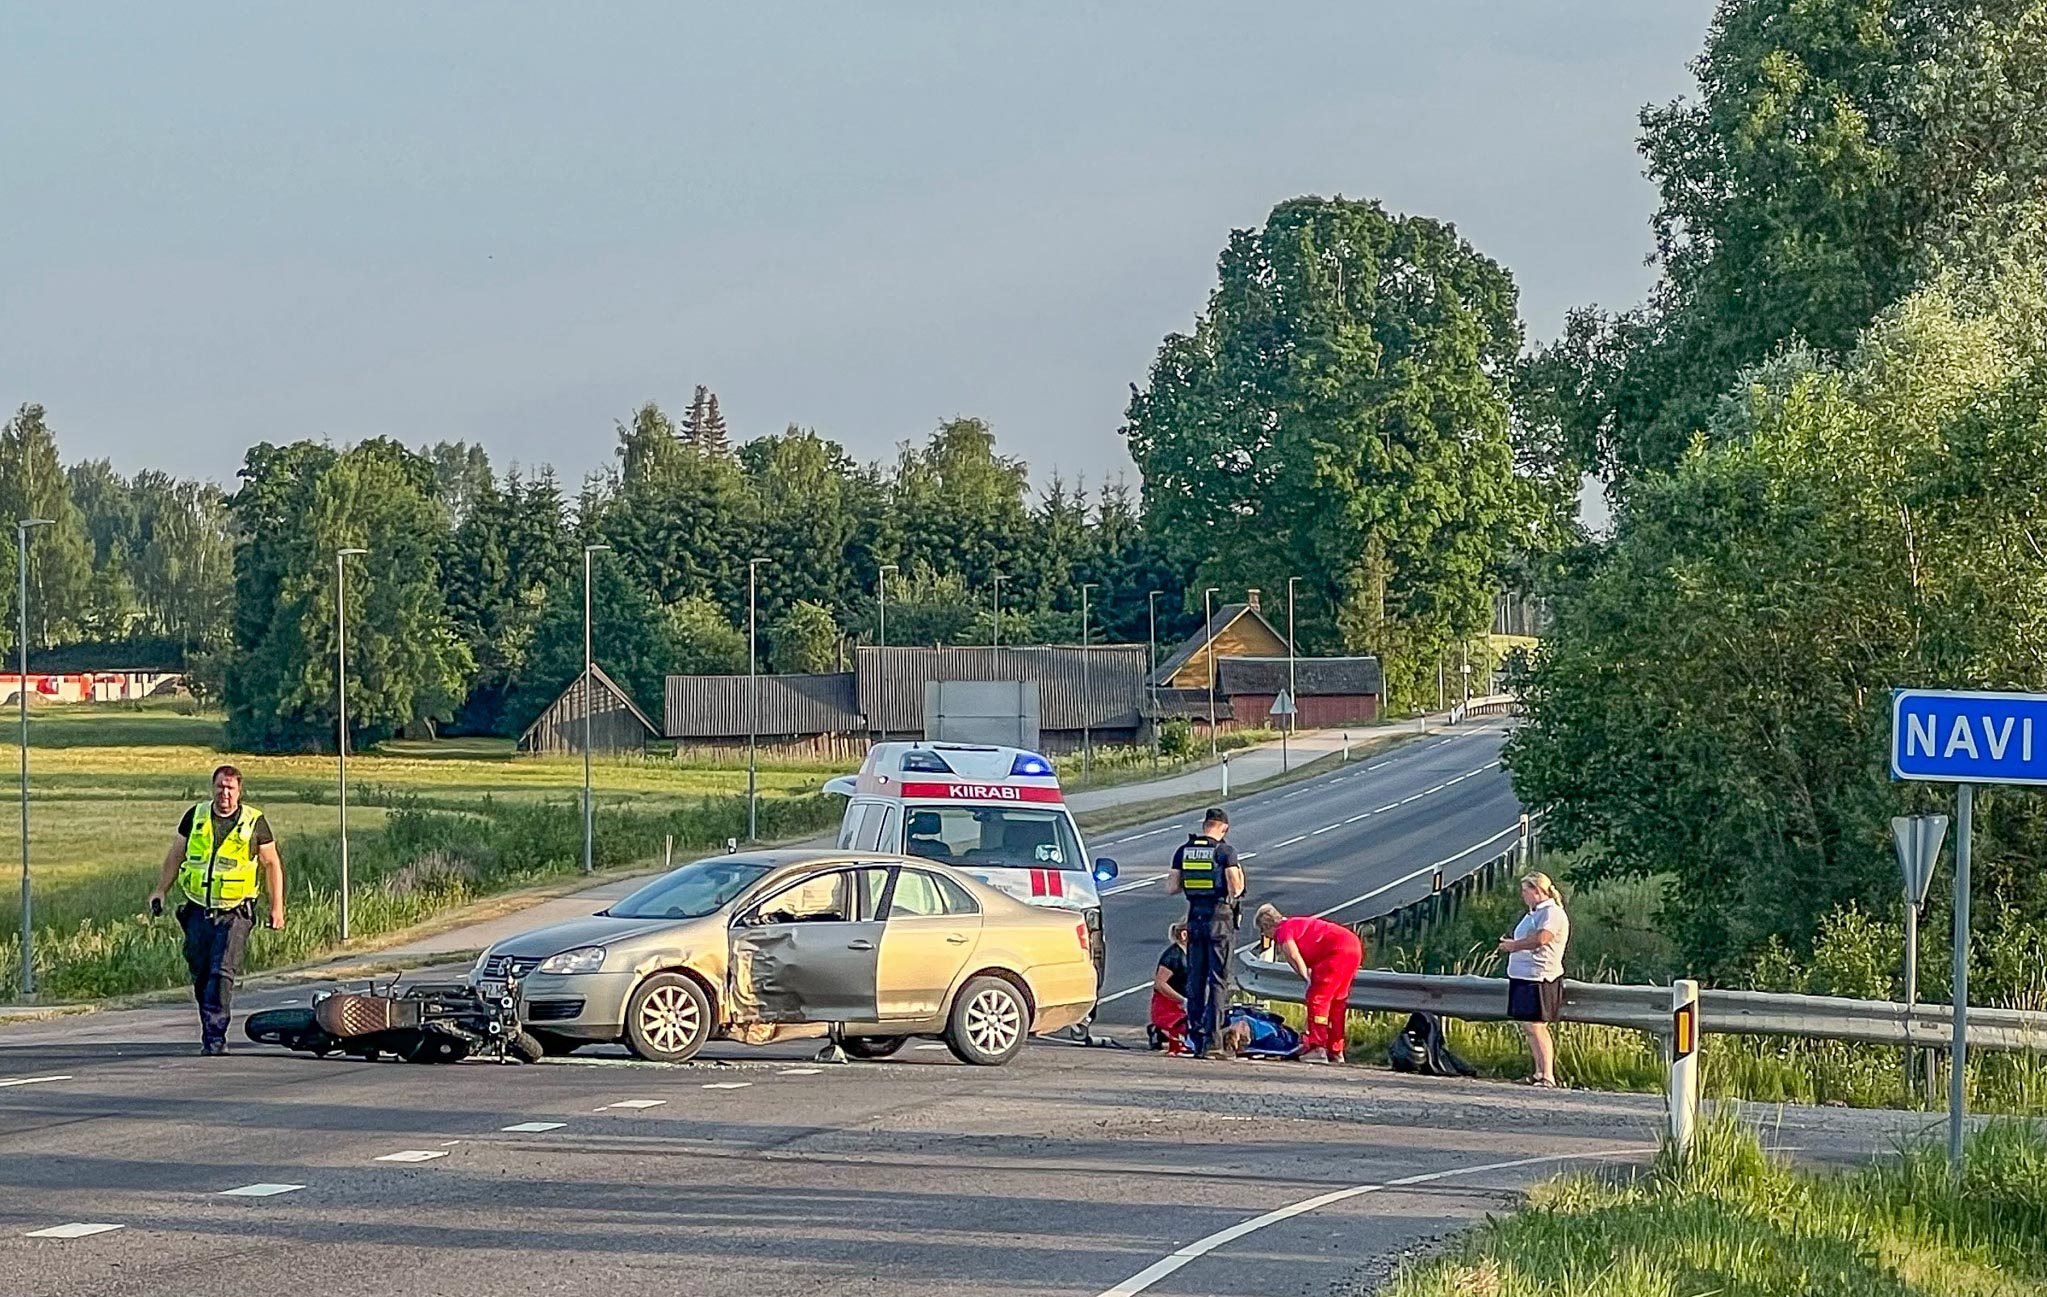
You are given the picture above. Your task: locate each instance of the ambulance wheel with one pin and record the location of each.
(989, 1022)
(667, 1019)
(873, 1047)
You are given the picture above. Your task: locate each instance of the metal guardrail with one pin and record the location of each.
(1648, 1008)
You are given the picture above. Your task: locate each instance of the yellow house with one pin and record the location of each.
(1238, 630)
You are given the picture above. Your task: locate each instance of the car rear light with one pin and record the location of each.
(1080, 931)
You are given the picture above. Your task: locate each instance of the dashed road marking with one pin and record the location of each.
(1131, 886)
(800, 1071)
(413, 1155)
(1324, 829)
(637, 1103)
(728, 1085)
(76, 1229)
(532, 1127)
(931, 1045)
(260, 1190)
(1387, 807)
(34, 1080)
(1298, 837)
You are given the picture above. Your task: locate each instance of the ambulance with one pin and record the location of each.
(995, 812)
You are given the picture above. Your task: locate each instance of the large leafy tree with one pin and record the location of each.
(408, 667)
(1341, 413)
(1829, 145)
(960, 506)
(631, 637)
(1713, 705)
(33, 485)
(510, 551)
(804, 487)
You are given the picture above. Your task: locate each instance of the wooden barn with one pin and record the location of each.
(617, 725)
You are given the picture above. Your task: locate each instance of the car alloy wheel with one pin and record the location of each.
(989, 1022)
(668, 1018)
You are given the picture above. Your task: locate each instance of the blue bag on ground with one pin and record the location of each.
(1270, 1038)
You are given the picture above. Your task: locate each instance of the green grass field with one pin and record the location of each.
(430, 825)
(1729, 1219)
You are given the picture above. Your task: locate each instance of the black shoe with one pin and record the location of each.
(213, 1049)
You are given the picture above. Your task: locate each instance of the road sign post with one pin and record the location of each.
(1966, 738)
(1918, 839)
(1283, 708)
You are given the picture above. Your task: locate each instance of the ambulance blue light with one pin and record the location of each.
(1028, 763)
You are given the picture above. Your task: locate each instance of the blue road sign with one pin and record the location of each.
(1953, 737)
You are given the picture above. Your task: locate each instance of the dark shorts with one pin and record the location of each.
(1535, 1001)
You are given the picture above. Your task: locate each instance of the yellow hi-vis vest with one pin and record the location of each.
(218, 875)
(1198, 874)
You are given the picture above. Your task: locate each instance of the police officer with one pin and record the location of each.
(214, 862)
(1206, 871)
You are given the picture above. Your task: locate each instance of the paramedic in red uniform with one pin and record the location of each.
(1328, 955)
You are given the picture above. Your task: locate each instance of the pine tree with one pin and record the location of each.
(704, 428)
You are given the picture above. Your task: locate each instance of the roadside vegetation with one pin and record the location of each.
(1615, 937)
(1729, 1218)
(430, 828)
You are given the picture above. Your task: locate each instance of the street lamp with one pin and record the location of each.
(1208, 616)
(1151, 667)
(1087, 745)
(341, 714)
(28, 963)
(753, 707)
(881, 637)
(589, 665)
(1293, 687)
(998, 610)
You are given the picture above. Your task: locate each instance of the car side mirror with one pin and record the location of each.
(1105, 869)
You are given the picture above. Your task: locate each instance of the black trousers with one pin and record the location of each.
(1211, 939)
(215, 941)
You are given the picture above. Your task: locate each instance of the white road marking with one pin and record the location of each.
(260, 1190)
(1201, 1247)
(728, 1085)
(532, 1127)
(1355, 818)
(1327, 828)
(76, 1229)
(413, 1155)
(1131, 886)
(1387, 807)
(637, 1103)
(800, 1071)
(1298, 837)
(33, 1080)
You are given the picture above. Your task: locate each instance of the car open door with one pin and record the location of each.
(806, 953)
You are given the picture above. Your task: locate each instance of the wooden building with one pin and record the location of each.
(1249, 658)
(616, 723)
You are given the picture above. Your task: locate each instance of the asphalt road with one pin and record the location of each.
(1073, 1171)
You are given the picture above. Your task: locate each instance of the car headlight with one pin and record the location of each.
(583, 959)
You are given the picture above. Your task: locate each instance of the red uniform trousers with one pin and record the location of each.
(1329, 980)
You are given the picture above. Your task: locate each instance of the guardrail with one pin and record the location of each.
(1678, 1014)
(1449, 889)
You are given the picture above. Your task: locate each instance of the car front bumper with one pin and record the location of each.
(587, 1006)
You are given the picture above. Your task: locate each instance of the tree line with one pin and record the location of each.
(1826, 435)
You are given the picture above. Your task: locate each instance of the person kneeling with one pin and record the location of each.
(1168, 1028)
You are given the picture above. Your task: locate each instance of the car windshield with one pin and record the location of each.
(992, 837)
(690, 892)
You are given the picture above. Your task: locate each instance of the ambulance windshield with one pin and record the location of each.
(992, 837)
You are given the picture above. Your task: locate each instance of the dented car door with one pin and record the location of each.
(807, 953)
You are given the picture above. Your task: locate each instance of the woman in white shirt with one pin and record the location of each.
(1535, 971)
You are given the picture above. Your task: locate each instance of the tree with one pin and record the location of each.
(183, 569)
(929, 608)
(462, 474)
(631, 637)
(510, 552)
(803, 640)
(1713, 702)
(704, 427)
(298, 506)
(705, 643)
(33, 485)
(801, 484)
(959, 507)
(682, 521)
(1345, 392)
(1831, 144)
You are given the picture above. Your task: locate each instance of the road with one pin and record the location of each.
(130, 1166)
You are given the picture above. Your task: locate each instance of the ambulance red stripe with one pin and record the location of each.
(967, 791)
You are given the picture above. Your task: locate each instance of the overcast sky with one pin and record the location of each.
(513, 223)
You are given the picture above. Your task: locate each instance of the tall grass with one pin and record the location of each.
(1727, 1218)
(422, 861)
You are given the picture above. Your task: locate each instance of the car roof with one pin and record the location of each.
(787, 863)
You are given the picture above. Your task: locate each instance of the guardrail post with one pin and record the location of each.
(1527, 846)
(1682, 1092)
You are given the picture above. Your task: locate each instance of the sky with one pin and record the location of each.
(514, 223)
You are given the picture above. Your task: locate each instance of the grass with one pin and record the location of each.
(1614, 940)
(1727, 1218)
(430, 826)
(1111, 766)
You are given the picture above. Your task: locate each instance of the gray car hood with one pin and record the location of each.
(597, 930)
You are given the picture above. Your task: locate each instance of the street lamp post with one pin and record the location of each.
(589, 706)
(1087, 745)
(341, 715)
(753, 705)
(1293, 687)
(1151, 667)
(28, 961)
(881, 635)
(1208, 615)
(998, 610)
